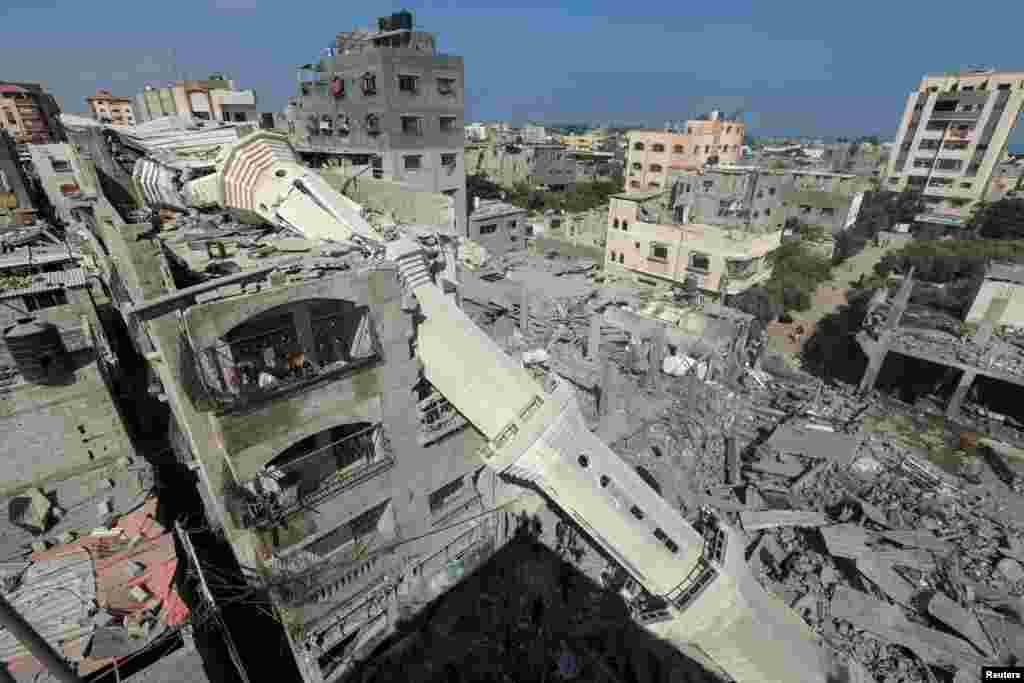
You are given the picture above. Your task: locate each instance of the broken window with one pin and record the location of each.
(413, 162)
(412, 125)
(35, 302)
(949, 164)
(448, 124)
(408, 84)
(369, 84)
(446, 86)
(699, 261)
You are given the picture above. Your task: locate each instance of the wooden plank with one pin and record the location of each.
(961, 620)
(756, 520)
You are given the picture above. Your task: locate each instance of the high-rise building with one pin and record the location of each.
(654, 153)
(29, 113)
(952, 136)
(388, 100)
(110, 108)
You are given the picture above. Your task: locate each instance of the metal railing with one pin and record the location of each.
(231, 383)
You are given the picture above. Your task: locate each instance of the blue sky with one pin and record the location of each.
(795, 67)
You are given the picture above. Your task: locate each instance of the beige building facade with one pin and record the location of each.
(653, 154)
(110, 108)
(647, 247)
(952, 136)
(214, 99)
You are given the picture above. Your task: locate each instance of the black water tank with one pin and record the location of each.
(384, 24)
(37, 350)
(401, 20)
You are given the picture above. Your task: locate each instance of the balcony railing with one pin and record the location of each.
(955, 115)
(371, 453)
(231, 383)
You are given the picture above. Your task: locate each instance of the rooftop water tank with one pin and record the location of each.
(38, 350)
(401, 20)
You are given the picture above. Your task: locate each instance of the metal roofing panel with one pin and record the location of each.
(46, 282)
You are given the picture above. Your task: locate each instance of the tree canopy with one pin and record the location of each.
(797, 270)
(1003, 219)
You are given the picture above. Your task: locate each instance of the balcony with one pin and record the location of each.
(438, 418)
(276, 354)
(306, 475)
(954, 116)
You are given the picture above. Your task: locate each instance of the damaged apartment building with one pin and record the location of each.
(290, 368)
(390, 101)
(510, 164)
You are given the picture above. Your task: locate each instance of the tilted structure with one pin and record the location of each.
(690, 585)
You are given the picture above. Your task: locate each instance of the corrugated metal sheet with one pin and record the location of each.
(73, 278)
(56, 597)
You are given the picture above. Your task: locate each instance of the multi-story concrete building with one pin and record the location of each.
(511, 164)
(29, 113)
(593, 166)
(951, 137)
(647, 245)
(213, 99)
(58, 170)
(388, 100)
(476, 132)
(750, 198)
(653, 154)
(15, 191)
(110, 108)
(591, 141)
(497, 226)
(534, 133)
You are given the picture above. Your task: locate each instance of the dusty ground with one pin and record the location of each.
(785, 339)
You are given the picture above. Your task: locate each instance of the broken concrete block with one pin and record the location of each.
(1011, 569)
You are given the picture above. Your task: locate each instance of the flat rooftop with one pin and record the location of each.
(487, 209)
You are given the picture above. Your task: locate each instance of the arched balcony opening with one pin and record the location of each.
(287, 347)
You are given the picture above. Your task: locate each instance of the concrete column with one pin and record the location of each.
(875, 361)
(732, 462)
(966, 380)
(900, 304)
(524, 312)
(659, 344)
(594, 339)
(304, 330)
(607, 379)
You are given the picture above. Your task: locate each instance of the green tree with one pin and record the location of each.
(1003, 219)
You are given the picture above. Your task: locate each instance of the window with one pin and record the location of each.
(940, 182)
(1003, 86)
(637, 166)
(634, 183)
(613, 257)
(408, 84)
(767, 212)
(413, 162)
(621, 258)
(658, 148)
(654, 186)
(771, 191)
(966, 186)
(949, 164)
(625, 225)
(34, 302)
(239, 117)
(412, 125)
(615, 223)
(225, 116)
(60, 165)
(699, 261)
(679, 149)
(707, 148)
(659, 252)
(448, 124)
(725, 148)
(708, 184)
(696, 149)
(828, 212)
(636, 245)
(805, 209)
(656, 168)
(894, 180)
(446, 86)
(638, 146)
(369, 84)
(689, 131)
(447, 159)
(488, 229)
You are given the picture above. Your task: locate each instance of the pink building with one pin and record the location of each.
(653, 153)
